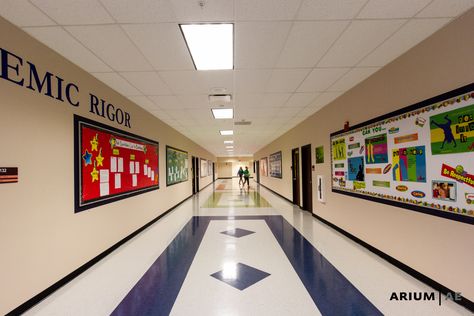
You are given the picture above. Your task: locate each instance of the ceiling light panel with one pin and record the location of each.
(227, 132)
(228, 142)
(211, 45)
(223, 113)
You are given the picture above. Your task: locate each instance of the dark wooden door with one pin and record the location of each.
(213, 171)
(193, 171)
(295, 172)
(257, 170)
(306, 178)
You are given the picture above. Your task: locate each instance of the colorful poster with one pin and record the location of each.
(264, 167)
(204, 169)
(275, 165)
(339, 149)
(409, 164)
(453, 132)
(320, 154)
(176, 166)
(419, 157)
(102, 153)
(355, 170)
(376, 149)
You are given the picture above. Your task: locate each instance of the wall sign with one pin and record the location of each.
(264, 167)
(176, 165)
(111, 164)
(419, 157)
(204, 167)
(8, 175)
(275, 165)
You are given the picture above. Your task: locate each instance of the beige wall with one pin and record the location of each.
(41, 238)
(228, 166)
(436, 247)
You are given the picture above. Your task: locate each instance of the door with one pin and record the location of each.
(306, 179)
(257, 170)
(213, 171)
(295, 168)
(195, 172)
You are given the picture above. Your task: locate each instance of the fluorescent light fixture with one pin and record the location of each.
(228, 142)
(230, 150)
(229, 146)
(211, 45)
(223, 113)
(225, 133)
(220, 98)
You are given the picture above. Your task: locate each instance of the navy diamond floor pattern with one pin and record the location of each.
(240, 276)
(238, 232)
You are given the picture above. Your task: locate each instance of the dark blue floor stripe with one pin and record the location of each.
(156, 292)
(330, 290)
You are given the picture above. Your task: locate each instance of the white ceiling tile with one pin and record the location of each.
(213, 10)
(148, 83)
(178, 114)
(329, 9)
(194, 101)
(251, 10)
(23, 13)
(150, 39)
(251, 80)
(299, 100)
(286, 80)
(287, 112)
(144, 102)
(117, 50)
(390, 9)
(74, 12)
(352, 78)
(324, 99)
(258, 44)
(274, 99)
(165, 101)
(140, 11)
(360, 38)
(308, 41)
(445, 8)
(116, 82)
(59, 40)
(197, 82)
(408, 36)
(321, 78)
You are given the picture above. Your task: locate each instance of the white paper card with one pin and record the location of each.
(134, 180)
(120, 164)
(132, 167)
(137, 167)
(113, 164)
(145, 170)
(104, 175)
(153, 175)
(104, 189)
(118, 181)
(149, 172)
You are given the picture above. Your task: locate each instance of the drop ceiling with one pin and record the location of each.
(292, 57)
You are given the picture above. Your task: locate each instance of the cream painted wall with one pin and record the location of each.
(229, 166)
(439, 248)
(41, 238)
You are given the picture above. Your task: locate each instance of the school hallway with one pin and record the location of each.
(228, 251)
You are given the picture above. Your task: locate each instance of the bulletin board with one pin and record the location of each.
(111, 164)
(264, 167)
(209, 168)
(204, 168)
(176, 165)
(418, 158)
(275, 165)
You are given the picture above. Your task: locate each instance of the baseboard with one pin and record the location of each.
(290, 201)
(417, 275)
(68, 278)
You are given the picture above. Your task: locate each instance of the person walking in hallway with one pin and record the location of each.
(240, 173)
(247, 177)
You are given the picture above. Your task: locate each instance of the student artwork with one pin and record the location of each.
(275, 165)
(418, 158)
(176, 165)
(111, 164)
(264, 167)
(319, 154)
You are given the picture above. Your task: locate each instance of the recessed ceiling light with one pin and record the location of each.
(228, 142)
(229, 146)
(216, 99)
(229, 150)
(211, 45)
(223, 113)
(225, 133)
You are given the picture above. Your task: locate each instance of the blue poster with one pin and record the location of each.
(355, 167)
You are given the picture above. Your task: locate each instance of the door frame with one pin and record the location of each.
(306, 178)
(295, 175)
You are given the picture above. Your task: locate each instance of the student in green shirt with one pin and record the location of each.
(247, 177)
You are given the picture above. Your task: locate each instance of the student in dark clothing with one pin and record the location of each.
(240, 173)
(247, 177)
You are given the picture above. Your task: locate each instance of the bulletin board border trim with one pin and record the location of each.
(166, 164)
(78, 206)
(439, 98)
